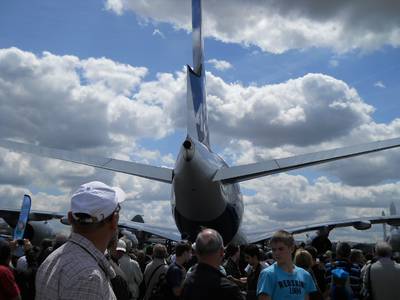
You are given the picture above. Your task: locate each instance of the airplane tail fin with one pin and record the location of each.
(197, 119)
(23, 218)
(384, 228)
(138, 218)
(393, 211)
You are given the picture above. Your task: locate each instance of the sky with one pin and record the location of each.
(107, 78)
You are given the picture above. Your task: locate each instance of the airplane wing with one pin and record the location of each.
(11, 216)
(358, 223)
(128, 167)
(162, 231)
(250, 171)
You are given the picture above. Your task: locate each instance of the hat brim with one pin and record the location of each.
(119, 194)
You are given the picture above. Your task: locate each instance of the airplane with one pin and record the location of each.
(205, 190)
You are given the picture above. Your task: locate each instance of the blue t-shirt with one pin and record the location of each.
(280, 285)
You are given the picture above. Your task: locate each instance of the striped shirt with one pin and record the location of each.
(76, 270)
(354, 271)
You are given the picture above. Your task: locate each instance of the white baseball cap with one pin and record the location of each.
(121, 245)
(97, 200)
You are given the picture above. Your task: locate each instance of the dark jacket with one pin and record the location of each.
(206, 282)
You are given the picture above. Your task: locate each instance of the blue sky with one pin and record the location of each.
(114, 80)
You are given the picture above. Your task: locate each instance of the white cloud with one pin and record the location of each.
(159, 33)
(115, 5)
(88, 102)
(278, 26)
(220, 65)
(379, 84)
(287, 200)
(308, 110)
(334, 63)
(118, 77)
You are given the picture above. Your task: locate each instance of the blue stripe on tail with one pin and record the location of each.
(196, 93)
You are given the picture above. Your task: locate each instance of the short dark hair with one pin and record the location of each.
(182, 247)
(283, 237)
(159, 251)
(343, 250)
(5, 252)
(312, 250)
(252, 250)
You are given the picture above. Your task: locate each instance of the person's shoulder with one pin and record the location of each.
(226, 284)
(88, 276)
(136, 264)
(174, 268)
(269, 269)
(4, 270)
(302, 271)
(229, 290)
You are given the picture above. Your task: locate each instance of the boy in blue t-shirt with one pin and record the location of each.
(283, 280)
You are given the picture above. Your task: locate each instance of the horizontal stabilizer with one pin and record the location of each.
(256, 236)
(127, 167)
(172, 234)
(250, 171)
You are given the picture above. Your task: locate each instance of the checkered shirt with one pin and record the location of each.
(76, 270)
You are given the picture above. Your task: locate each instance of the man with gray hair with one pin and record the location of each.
(206, 281)
(382, 278)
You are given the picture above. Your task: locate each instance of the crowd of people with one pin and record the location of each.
(94, 262)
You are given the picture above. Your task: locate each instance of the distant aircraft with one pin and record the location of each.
(205, 190)
(393, 238)
(34, 226)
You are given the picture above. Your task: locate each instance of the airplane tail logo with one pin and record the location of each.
(196, 94)
(23, 218)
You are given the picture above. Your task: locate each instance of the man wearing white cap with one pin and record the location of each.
(79, 269)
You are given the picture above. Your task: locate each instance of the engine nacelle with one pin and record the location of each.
(362, 225)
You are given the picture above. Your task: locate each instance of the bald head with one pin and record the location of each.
(208, 242)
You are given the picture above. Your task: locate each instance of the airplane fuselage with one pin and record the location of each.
(197, 201)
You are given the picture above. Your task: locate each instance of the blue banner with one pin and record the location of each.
(23, 218)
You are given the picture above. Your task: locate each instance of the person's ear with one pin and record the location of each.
(70, 218)
(114, 221)
(222, 252)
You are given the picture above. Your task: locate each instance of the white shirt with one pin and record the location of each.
(133, 274)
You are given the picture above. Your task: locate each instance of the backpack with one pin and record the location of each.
(161, 290)
(120, 288)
